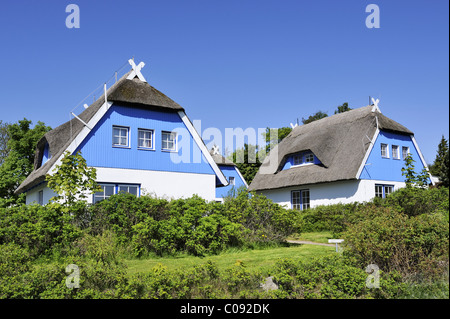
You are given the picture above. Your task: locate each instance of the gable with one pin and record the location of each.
(388, 167)
(98, 150)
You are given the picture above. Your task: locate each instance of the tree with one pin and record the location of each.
(247, 160)
(342, 108)
(317, 116)
(441, 162)
(274, 136)
(412, 179)
(4, 137)
(21, 147)
(72, 179)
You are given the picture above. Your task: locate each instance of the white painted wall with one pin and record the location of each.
(332, 193)
(162, 183)
(33, 194)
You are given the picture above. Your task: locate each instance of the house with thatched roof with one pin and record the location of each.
(231, 172)
(138, 140)
(348, 157)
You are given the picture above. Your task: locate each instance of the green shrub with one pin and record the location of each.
(330, 277)
(414, 201)
(395, 241)
(37, 228)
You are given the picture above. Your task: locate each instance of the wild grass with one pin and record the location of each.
(253, 259)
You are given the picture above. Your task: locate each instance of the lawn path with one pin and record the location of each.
(307, 242)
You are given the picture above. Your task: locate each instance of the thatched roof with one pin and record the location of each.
(126, 92)
(340, 143)
(221, 160)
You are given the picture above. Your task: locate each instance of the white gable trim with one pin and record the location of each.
(369, 150)
(242, 177)
(422, 158)
(83, 133)
(202, 147)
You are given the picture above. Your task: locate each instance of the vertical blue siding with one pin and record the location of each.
(98, 151)
(390, 169)
(229, 171)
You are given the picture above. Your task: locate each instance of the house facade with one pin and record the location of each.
(348, 157)
(232, 174)
(138, 140)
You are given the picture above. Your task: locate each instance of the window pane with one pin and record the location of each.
(132, 190)
(405, 151)
(309, 158)
(395, 151)
(378, 191)
(295, 199)
(109, 190)
(297, 160)
(388, 190)
(305, 199)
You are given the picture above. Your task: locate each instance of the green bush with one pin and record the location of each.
(37, 228)
(397, 242)
(330, 277)
(414, 201)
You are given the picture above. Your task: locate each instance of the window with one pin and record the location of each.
(295, 200)
(111, 189)
(169, 141)
(107, 191)
(145, 138)
(120, 136)
(383, 190)
(395, 152)
(297, 159)
(305, 199)
(309, 158)
(405, 151)
(41, 198)
(231, 179)
(384, 151)
(132, 189)
(300, 199)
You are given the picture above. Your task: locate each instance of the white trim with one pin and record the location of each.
(242, 177)
(136, 71)
(83, 133)
(422, 158)
(369, 150)
(202, 147)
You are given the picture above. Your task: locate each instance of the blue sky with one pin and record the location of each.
(234, 63)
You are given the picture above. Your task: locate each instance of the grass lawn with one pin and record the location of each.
(256, 259)
(318, 237)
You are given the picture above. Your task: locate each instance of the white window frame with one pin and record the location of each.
(395, 152)
(151, 139)
(232, 180)
(116, 188)
(297, 160)
(405, 148)
(298, 199)
(103, 195)
(309, 158)
(382, 190)
(127, 136)
(175, 144)
(386, 153)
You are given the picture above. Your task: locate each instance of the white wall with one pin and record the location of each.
(162, 183)
(33, 194)
(332, 193)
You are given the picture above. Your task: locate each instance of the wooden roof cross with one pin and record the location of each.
(136, 70)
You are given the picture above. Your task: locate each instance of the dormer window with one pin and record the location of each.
(297, 159)
(309, 158)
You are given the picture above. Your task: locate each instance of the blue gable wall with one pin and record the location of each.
(229, 171)
(390, 169)
(98, 151)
